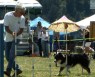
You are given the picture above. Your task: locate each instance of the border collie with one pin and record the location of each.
(72, 60)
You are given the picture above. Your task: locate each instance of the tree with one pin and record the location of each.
(73, 9)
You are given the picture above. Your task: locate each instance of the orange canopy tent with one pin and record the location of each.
(59, 25)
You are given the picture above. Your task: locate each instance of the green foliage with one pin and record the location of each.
(73, 9)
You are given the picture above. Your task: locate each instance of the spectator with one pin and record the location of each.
(38, 32)
(44, 42)
(14, 22)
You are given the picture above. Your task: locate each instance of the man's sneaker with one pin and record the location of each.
(18, 72)
(7, 73)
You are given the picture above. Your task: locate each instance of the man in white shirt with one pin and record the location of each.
(14, 23)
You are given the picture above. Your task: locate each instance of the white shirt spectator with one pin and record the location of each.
(39, 34)
(45, 36)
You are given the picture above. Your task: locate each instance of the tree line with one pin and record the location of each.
(73, 9)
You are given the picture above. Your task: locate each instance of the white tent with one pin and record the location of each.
(1, 21)
(86, 22)
(30, 3)
(7, 3)
(26, 3)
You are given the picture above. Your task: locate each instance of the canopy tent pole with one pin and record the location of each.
(66, 26)
(5, 9)
(83, 43)
(83, 38)
(28, 13)
(49, 54)
(1, 51)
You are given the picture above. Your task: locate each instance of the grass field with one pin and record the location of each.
(45, 67)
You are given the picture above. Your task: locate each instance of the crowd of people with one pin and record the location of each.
(41, 39)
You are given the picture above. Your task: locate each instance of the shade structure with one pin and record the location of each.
(59, 25)
(26, 3)
(7, 3)
(30, 3)
(84, 23)
(33, 23)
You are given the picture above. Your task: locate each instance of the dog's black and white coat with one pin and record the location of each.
(72, 60)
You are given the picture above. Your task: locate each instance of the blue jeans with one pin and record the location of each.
(40, 46)
(45, 48)
(10, 55)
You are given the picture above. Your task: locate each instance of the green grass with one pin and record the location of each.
(42, 67)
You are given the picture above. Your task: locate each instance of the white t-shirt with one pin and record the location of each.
(45, 37)
(39, 34)
(14, 23)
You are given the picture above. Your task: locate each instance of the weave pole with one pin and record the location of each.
(49, 56)
(15, 52)
(32, 68)
(32, 54)
(50, 66)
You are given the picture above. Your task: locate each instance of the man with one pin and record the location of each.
(44, 42)
(14, 23)
(38, 32)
